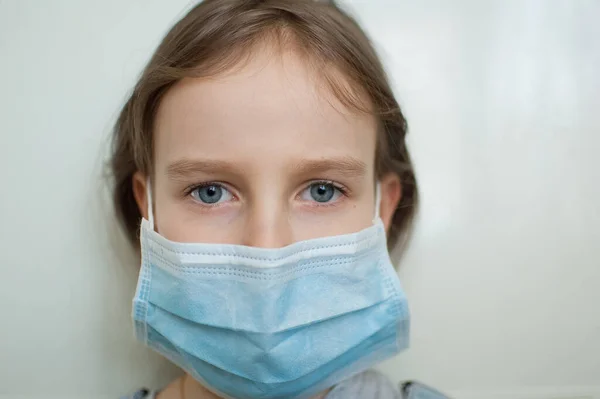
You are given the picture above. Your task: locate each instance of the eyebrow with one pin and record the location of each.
(187, 167)
(346, 166)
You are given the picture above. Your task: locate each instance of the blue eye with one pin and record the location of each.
(211, 194)
(321, 192)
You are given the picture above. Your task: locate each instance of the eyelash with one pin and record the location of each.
(344, 193)
(189, 190)
(342, 189)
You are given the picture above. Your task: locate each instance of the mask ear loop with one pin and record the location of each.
(149, 198)
(377, 201)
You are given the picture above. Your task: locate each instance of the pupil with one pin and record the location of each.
(210, 194)
(322, 192)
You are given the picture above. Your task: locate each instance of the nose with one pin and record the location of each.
(268, 226)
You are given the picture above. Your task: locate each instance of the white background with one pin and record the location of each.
(503, 102)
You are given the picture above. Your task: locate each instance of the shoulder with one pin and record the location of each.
(369, 384)
(141, 394)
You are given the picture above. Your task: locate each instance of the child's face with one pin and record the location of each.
(260, 157)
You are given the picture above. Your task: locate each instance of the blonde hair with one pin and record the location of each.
(217, 35)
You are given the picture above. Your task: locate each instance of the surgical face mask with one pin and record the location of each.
(271, 323)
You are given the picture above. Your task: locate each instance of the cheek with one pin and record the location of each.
(352, 218)
(180, 221)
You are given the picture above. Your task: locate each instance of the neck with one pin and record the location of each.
(188, 388)
(195, 390)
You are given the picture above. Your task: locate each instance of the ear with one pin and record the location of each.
(391, 192)
(139, 183)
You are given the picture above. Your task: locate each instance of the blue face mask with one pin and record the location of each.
(271, 323)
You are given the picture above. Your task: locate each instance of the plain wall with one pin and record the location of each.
(503, 273)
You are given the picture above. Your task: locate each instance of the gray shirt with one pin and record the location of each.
(367, 385)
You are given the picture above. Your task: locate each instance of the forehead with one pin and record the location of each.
(273, 108)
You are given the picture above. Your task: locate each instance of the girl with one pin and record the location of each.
(264, 154)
